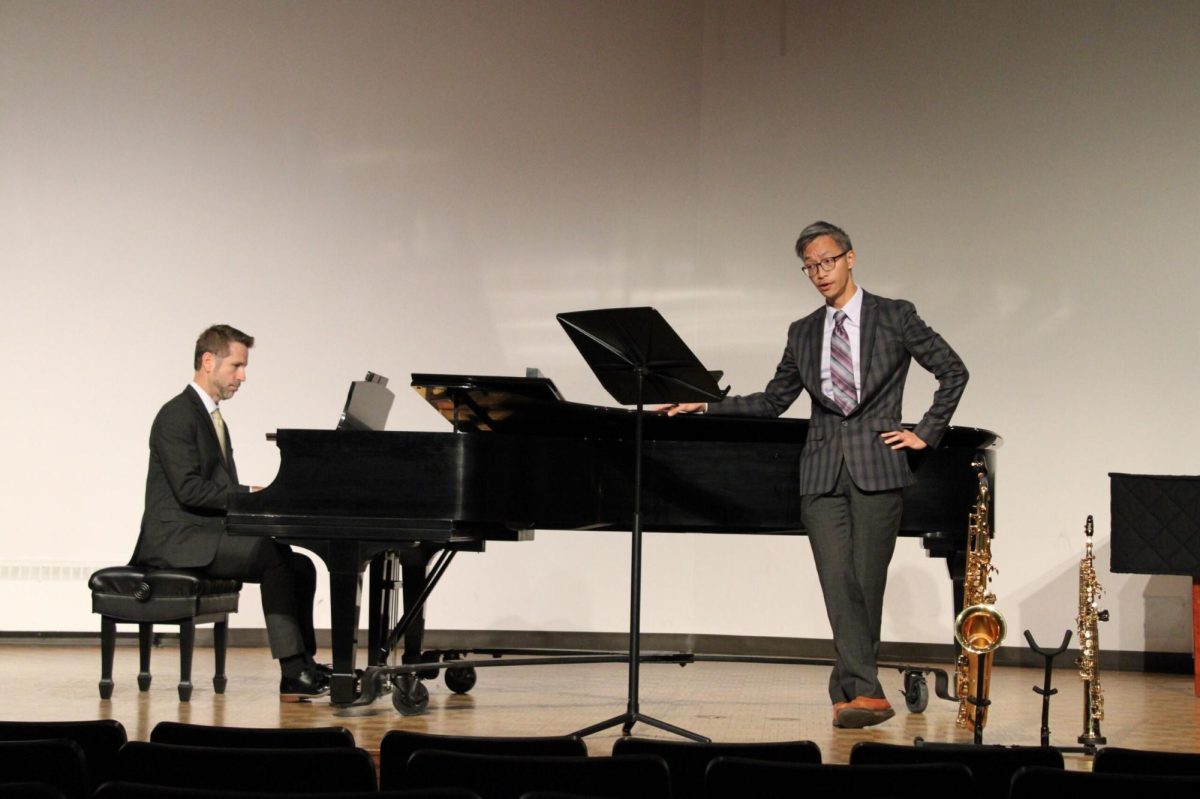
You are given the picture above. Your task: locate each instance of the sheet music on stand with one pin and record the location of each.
(367, 405)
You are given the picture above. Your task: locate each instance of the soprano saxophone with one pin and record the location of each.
(1088, 620)
(979, 628)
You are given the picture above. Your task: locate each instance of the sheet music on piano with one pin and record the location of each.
(367, 404)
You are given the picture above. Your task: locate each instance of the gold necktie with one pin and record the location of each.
(219, 424)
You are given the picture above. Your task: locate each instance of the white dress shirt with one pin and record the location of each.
(852, 325)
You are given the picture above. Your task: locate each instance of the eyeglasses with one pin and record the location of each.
(826, 264)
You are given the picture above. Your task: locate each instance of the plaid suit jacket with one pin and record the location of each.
(891, 336)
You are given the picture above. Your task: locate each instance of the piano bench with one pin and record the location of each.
(145, 597)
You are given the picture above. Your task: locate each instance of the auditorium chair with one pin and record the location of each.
(58, 763)
(1037, 782)
(174, 732)
(397, 746)
(145, 597)
(30, 790)
(513, 776)
(1116, 760)
(738, 778)
(100, 740)
(133, 790)
(688, 760)
(991, 766)
(340, 769)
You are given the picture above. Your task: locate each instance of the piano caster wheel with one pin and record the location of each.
(460, 679)
(410, 697)
(916, 692)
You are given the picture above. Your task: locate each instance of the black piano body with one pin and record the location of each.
(522, 458)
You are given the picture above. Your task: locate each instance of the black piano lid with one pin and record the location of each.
(535, 406)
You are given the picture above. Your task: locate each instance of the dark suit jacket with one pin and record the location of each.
(891, 335)
(186, 487)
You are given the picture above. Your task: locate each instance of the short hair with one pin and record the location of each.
(217, 339)
(818, 229)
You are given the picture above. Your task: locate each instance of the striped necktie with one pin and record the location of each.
(219, 424)
(841, 366)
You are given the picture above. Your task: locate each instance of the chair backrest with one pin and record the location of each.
(56, 762)
(100, 740)
(1115, 760)
(174, 732)
(736, 778)
(30, 790)
(687, 760)
(510, 777)
(397, 746)
(1035, 782)
(134, 790)
(992, 766)
(341, 769)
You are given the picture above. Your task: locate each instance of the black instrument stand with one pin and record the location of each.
(1046, 691)
(639, 358)
(978, 701)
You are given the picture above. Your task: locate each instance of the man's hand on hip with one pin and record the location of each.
(903, 439)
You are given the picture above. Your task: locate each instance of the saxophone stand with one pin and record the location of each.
(639, 359)
(979, 704)
(1046, 691)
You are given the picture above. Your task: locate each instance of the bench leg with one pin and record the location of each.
(187, 643)
(220, 641)
(145, 641)
(108, 643)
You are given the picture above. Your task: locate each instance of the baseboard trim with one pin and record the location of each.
(765, 647)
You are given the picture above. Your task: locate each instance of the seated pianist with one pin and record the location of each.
(190, 478)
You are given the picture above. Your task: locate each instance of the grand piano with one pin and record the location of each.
(520, 457)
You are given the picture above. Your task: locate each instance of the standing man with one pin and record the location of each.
(852, 357)
(191, 475)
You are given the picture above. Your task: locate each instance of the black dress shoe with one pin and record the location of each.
(310, 684)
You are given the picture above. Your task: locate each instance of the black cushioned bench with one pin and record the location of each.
(145, 597)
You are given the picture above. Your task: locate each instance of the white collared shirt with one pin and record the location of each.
(210, 405)
(853, 325)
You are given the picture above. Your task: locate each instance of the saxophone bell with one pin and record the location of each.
(980, 629)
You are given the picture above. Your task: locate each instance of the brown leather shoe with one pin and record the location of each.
(864, 711)
(837, 708)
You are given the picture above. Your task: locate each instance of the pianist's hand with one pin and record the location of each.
(682, 407)
(903, 439)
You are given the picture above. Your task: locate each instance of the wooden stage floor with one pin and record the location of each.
(724, 701)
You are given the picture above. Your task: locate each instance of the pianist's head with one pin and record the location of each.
(222, 353)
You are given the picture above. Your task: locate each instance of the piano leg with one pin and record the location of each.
(956, 564)
(346, 562)
(414, 564)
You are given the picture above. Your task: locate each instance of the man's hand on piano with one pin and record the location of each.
(903, 439)
(676, 408)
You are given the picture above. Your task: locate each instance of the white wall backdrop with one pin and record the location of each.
(421, 186)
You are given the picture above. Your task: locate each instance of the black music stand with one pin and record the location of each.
(638, 358)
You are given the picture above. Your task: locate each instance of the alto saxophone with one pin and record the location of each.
(1089, 619)
(979, 628)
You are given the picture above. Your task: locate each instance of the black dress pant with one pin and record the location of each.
(853, 535)
(287, 582)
